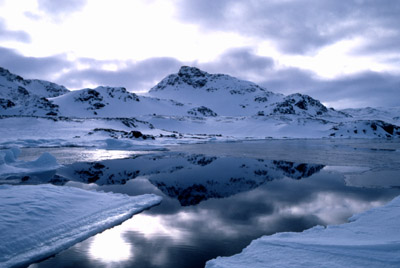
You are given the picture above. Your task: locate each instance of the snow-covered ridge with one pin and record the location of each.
(19, 96)
(229, 96)
(37, 87)
(193, 102)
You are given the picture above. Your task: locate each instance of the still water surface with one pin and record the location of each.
(218, 198)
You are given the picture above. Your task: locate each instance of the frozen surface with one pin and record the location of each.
(370, 239)
(39, 221)
(9, 164)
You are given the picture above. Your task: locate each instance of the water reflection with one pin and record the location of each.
(189, 178)
(211, 205)
(110, 247)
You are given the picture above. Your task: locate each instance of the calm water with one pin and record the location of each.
(219, 197)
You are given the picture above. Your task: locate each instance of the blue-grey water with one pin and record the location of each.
(218, 197)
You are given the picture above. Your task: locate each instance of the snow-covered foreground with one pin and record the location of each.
(370, 239)
(39, 221)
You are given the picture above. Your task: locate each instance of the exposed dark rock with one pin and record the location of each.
(5, 103)
(202, 110)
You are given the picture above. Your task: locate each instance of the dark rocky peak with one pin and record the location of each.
(10, 76)
(305, 101)
(192, 76)
(88, 95)
(299, 103)
(190, 72)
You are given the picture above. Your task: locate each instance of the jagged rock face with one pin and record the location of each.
(12, 82)
(193, 77)
(202, 111)
(5, 104)
(300, 104)
(27, 97)
(365, 128)
(187, 75)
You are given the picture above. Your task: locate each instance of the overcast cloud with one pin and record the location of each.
(60, 7)
(297, 32)
(135, 76)
(301, 26)
(358, 90)
(32, 67)
(7, 35)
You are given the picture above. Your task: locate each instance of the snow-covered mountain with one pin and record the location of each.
(19, 96)
(228, 96)
(114, 102)
(390, 115)
(195, 104)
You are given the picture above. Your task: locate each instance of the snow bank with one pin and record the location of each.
(371, 239)
(39, 221)
(9, 164)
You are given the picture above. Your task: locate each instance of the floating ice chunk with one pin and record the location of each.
(45, 160)
(371, 239)
(39, 221)
(9, 156)
(9, 164)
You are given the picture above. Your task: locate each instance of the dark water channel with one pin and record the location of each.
(216, 204)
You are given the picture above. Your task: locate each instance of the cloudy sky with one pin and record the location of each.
(344, 53)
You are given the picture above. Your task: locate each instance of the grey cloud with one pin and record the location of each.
(32, 67)
(240, 62)
(357, 90)
(136, 76)
(6, 35)
(58, 9)
(297, 26)
(363, 89)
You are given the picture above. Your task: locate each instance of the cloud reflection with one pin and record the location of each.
(110, 247)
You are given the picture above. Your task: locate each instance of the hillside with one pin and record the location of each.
(189, 105)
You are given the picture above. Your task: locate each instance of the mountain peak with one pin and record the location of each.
(10, 76)
(187, 71)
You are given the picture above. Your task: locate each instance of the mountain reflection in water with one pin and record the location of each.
(188, 178)
(212, 206)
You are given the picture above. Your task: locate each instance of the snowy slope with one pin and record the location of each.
(39, 221)
(27, 97)
(229, 96)
(114, 102)
(191, 104)
(390, 115)
(371, 239)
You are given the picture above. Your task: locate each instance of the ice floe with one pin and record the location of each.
(9, 163)
(39, 221)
